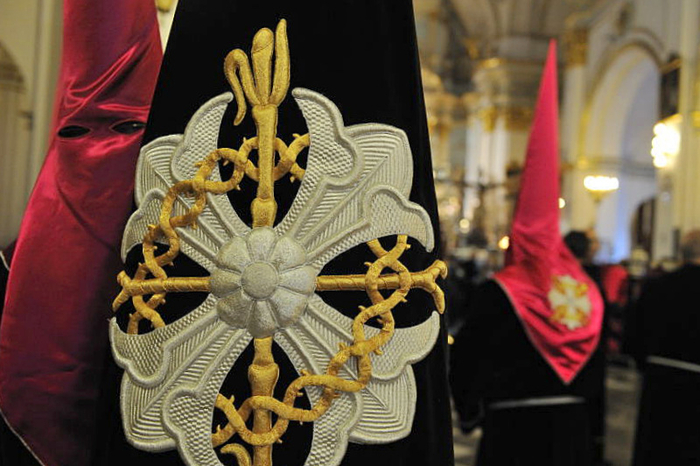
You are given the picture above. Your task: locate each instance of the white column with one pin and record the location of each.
(576, 213)
(508, 88)
(580, 211)
(47, 59)
(687, 187)
(14, 137)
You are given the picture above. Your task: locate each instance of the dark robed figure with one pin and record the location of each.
(663, 339)
(523, 365)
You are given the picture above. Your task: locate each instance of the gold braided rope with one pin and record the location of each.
(150, 279)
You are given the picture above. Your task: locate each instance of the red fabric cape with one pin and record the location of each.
(53, 335)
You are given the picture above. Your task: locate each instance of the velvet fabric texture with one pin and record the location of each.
(537, 251)
(362, 55)
(53, 336)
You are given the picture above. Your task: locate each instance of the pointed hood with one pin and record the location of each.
(111, 52)
(559, 306)
(53, 336)
(535, 224)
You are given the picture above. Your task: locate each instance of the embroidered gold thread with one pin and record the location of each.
(265, 93)
(573, 311)
(239, 451)
(425, 280)
(255, 85)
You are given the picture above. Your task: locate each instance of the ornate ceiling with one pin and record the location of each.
(455, 35)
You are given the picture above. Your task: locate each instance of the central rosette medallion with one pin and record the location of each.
(263, 282)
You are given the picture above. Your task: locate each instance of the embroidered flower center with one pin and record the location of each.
(263, 282)
(260, 280)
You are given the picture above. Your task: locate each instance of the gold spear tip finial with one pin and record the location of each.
(263, 39)
(253, 79)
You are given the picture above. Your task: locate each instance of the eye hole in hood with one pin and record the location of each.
(129, 127)
(72, 131)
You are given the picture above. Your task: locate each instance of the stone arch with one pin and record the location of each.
(616, 131)
(627, 70)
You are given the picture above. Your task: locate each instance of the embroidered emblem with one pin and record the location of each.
(263, 280)
(569, 299)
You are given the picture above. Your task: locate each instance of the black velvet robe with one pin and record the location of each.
(493, 361)
(663, 333)
(362, 55)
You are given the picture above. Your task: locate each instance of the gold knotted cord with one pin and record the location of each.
(276, 160)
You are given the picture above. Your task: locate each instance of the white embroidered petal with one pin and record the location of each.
(408, 345)
(153, 167)
(158, 362)
(302, 280)
(146, 357)
(235, 309)
(330, 440)
(188, 408)
(200, 139)
(137, 225)
(169, 159)
(288, 305)
(262, 321)
(355, 185)
(387, 154)
(234, 255)
(260, 243)
(387, 404)
(320, 334)
(383, 422)
(223, 283)
(390, 397)
(287, 254)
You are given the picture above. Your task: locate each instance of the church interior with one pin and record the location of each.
(629, 143)
(628, 133)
